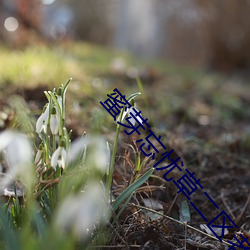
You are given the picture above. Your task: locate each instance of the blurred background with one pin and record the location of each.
(193, 60)
(212, 34)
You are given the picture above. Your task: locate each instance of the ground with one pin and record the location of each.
(202, 115)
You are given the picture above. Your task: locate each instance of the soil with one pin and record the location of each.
(210, 133)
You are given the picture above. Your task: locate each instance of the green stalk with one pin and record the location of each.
(65, 87)
(47, 140)
(54, 142)
(112, 164)
(52, 95)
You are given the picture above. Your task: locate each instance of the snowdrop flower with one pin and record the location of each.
(133, 110)
(17, 152)
(54, 121)
(79, 214)
(42, 122)
(59, 157)
(98, 154)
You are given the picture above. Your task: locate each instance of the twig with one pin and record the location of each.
(173, 202)
(179, 222)
(238, 219)
(225, 204)
(117, 246)
(185, 224)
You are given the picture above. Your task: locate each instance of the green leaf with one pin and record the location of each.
(133, 96)
(10, 236)
(122, 209)
(129, 99)
(128, 191)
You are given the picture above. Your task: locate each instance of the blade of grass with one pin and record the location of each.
(11, 239)
(122, 209)
(128, 191)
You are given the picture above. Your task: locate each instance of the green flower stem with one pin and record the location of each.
(54, 142)
(52, 95)
(65, 87)
(112, 164)
(47, 137)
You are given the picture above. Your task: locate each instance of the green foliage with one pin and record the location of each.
(66, 205)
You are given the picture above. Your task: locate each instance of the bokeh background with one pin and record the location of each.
(212, 34)
(193, 60)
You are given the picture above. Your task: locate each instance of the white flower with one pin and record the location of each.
(133, 110)
(54, 121)
(17, 152)
(79, 214)
(42, 122)
(101, 154)
(98, 154)
(59, 158)
(59, 99)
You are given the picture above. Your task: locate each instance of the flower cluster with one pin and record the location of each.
(85, 206)
(56, 151)
(51, 156)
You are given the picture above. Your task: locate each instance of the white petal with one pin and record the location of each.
(44, 127)
(62, 161)
(54, 124)
(42, 121)
(125, 113)
(39, 123)
(101, 155)
(46, 113)
(5, 139)
(18, 155)
(134, 111)
(80, 213)
(59, 99)
(55, 156)
(19, 151)
(77, 147)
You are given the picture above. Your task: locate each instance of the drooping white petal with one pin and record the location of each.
(5, 139)
(101, 155)
(39, 123)
(133, 111)
(18, 156)
(59, 99)
(44, 127)
(125, 113)
(98, 155)
(19, 150)
(80, 213)
(77, 148)
(54, 124)
(63, 158)
(55, 156)
(42, 121)
(59, 157)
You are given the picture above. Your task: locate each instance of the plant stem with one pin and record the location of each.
(112, 164)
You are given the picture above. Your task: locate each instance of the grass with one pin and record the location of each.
(65, 200)
(201, 115)
(42, 64)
